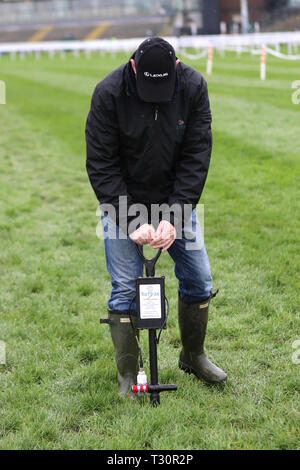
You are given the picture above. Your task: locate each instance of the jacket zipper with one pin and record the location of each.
(156, 113)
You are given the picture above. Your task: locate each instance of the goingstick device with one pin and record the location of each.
(151, 316)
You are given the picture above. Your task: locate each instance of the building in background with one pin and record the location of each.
(262, 14)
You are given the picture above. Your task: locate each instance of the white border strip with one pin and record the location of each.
(195, 42)
(282, 56)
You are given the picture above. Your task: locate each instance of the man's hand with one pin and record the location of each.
(164, 236)
(143, 235)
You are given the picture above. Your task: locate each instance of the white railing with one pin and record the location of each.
(220, 42)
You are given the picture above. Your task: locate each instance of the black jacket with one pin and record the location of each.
(150, 153)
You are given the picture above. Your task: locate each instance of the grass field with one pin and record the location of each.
(58, 387)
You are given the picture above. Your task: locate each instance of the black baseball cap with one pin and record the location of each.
(155, 63)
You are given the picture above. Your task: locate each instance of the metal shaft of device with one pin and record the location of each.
(154, 396)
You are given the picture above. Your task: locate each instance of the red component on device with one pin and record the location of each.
(140, 388)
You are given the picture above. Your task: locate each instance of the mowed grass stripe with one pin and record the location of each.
(54, 113)
(68, 82)
(95, 63)
(283, 97)
(255, 122)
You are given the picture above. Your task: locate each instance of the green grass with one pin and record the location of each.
(58, 388)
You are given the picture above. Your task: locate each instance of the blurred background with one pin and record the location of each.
(93, 19)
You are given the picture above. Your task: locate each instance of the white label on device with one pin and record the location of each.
(150, 301)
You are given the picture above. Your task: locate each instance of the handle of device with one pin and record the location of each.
(149, 263)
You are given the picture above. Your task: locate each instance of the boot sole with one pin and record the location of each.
(189, 370)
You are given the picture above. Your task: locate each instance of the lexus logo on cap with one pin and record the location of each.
(156, 75)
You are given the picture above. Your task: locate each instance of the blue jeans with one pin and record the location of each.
(124, 265)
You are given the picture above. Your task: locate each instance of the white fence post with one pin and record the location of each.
(210, 59)
(263, 55)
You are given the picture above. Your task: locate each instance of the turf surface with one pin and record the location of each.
(58, 386)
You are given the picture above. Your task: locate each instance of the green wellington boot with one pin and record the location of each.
(193, 320)
(126, 349)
